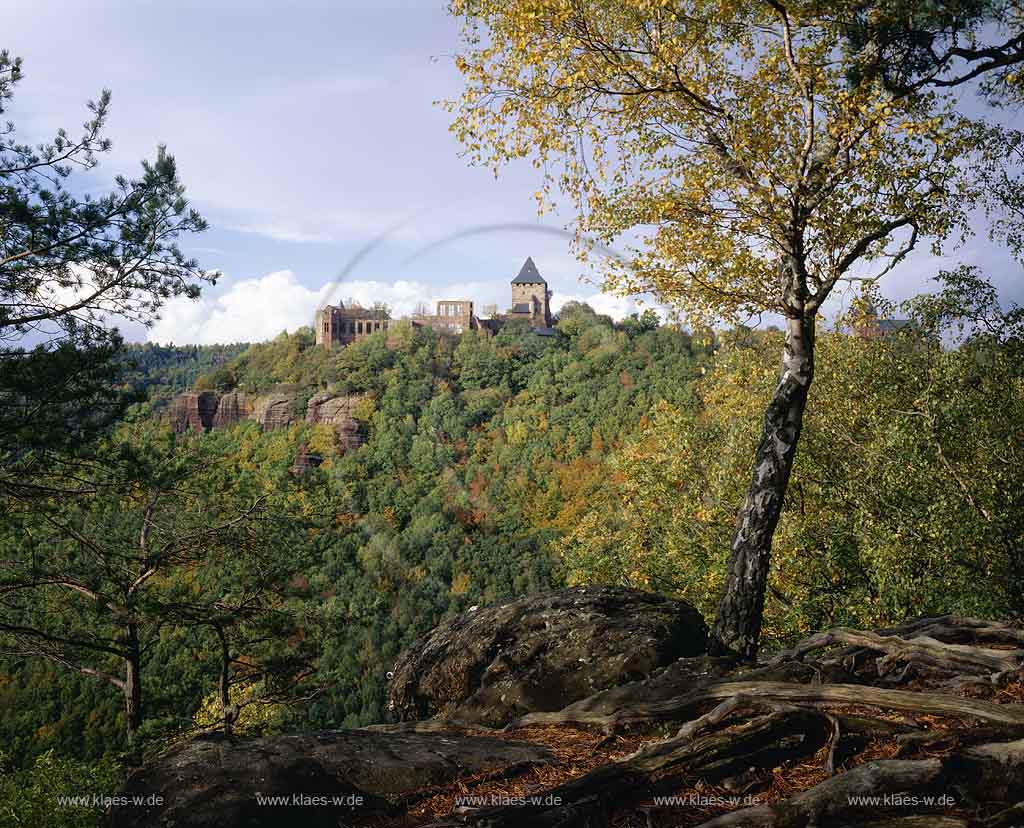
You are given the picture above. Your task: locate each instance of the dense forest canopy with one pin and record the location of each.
(450, 501)
(497, 466)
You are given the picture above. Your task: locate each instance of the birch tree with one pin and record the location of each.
(753, 157)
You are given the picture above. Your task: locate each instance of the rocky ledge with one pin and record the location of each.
(617, 711)
(321, 779)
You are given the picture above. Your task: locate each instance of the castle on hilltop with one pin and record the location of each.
(337, 325)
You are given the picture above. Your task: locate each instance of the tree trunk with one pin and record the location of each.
(132, 684)
(737, 626)
(226, 708)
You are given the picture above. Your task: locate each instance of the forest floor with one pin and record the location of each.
(930, 724)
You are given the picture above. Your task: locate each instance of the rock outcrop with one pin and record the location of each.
(881, 713)
(540, 653)
(204, 410)
(274, 411)
(337, 411)
(271, 781)
(194, 410)
(305, 461)
(232, 408)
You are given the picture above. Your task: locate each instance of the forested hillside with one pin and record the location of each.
(494, 467)
(474, 449)
(158, 370)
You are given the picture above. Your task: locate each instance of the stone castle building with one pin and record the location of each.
(337, 325)
(453, 316)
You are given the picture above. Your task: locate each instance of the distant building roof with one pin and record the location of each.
(545, 331)
(528, 274)
(522, 307)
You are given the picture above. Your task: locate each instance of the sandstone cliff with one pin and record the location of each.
(193, 410)
(232, 408)
(205, 410)
(274, 411)
(338, 411)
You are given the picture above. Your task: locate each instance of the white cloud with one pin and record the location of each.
(617, 307)
(255, 310)
(401, 296)
(251, 310)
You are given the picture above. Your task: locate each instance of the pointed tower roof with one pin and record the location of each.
(529, 275)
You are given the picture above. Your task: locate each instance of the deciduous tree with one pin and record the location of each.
(751, 157)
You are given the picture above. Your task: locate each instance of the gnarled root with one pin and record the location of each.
(762, 742)
(987, 773)
(924, 652)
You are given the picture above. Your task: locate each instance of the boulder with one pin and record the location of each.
(274, 411)
(321, 779)
(541, 653)
(193, 410)
(337, 411)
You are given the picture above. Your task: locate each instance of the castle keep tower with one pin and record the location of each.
(530, 296)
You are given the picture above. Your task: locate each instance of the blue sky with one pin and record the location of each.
(304, 131)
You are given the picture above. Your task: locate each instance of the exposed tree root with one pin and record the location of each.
(762, 742)
(921, 651)
(969, 751)
(782, 732)
(991, 773)
(1010, 818)
(958, 629)
(831, 798)
(949, 740)
(684, 707)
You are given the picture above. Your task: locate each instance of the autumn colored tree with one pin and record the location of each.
(907, 497)
(751, 156)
